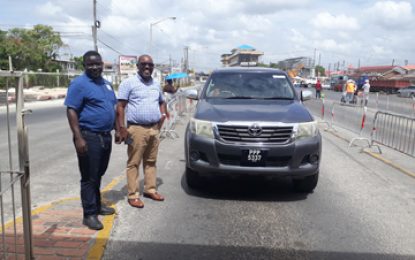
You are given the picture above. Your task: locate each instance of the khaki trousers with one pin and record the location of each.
(144, 148)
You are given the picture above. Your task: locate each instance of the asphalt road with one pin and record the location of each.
(361, 209)
(53, 163)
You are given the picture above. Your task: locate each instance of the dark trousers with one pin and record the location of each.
(92, 166)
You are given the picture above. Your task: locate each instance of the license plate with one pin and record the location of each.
(253, 157)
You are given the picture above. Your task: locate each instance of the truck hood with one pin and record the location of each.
(252, 110)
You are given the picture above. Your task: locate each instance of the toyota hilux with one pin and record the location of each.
(252, 121)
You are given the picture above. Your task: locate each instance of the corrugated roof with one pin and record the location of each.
(409, 67)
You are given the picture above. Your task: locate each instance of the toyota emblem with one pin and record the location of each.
(255, 130)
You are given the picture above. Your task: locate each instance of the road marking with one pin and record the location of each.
(380, 158)
(399, 168)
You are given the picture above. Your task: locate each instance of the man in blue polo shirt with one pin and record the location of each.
(141, 99)
(90, 105)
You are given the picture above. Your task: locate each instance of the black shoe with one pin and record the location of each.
(92, 222)
(106, 210)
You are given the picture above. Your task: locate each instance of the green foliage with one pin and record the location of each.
(259, 64)
(320, 71)
(33, 49)
(78, 63)
(274, 65)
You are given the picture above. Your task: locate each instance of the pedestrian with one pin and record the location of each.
(350, 88)
(366, 90)
(141, 101)
(90, 103)
(318, 89)
(168, 87)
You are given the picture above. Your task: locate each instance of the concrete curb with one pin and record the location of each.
(50, 223)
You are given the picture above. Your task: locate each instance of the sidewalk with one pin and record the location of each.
(58, 232)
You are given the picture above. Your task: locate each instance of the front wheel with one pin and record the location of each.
(307, 185)
(193, 179)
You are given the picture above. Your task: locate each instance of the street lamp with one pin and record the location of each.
(151, 30)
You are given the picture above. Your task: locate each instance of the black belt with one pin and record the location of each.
(143, 125)
(96, 132)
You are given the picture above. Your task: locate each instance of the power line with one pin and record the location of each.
(114, 38)
(109, 47)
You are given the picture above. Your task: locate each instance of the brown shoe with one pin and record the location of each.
(136, 203)
(154, 196)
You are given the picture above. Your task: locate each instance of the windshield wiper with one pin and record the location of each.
(239, 97)
(280, 98)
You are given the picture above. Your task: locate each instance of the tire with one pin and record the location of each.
(193, 179)
(306, 185)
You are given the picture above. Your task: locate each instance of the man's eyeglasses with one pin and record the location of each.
(144, 64)
(93, 66)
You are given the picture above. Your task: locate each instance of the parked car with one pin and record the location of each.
(407, 92)
(251, 121)
(325, 84)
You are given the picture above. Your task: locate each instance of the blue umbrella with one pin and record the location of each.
(178, 75)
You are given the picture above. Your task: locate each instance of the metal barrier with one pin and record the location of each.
(394, 131)
(177, 106)
(373, 127)
(10, 175)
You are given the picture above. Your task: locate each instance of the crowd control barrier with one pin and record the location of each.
(177, 106)
(394, 131)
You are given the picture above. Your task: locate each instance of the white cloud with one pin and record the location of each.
(339, 30)
(342, 22)
(392, 14)
(49, 9)
(273, 6)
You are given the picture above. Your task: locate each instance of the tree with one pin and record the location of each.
(320, 71)
(78, 63)
(33, 49)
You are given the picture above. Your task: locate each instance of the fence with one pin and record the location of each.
(177, 105)
(11, 175)
(374, 127)
(394, 131)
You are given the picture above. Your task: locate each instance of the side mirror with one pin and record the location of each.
(306, 95)
(192, 94)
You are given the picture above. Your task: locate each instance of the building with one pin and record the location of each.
(244, 55)
(66, 65)
(298, 66)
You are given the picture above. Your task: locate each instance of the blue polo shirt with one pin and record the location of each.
(144, 99)
(94, 101)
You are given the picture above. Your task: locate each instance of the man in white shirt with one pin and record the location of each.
(366, 90)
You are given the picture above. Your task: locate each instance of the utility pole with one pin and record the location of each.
(313, 70)
(186, 59)
(170, 65)
(319, 59)
(95, 26)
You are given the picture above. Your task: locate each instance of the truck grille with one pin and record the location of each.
(269, 134)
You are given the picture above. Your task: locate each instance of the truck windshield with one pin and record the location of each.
(249, 85)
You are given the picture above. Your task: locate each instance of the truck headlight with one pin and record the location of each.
(201, 127)
(303, 130)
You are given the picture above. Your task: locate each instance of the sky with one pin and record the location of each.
(352, 32)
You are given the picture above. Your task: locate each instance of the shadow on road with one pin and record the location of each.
(246, 188)
(150, 250)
